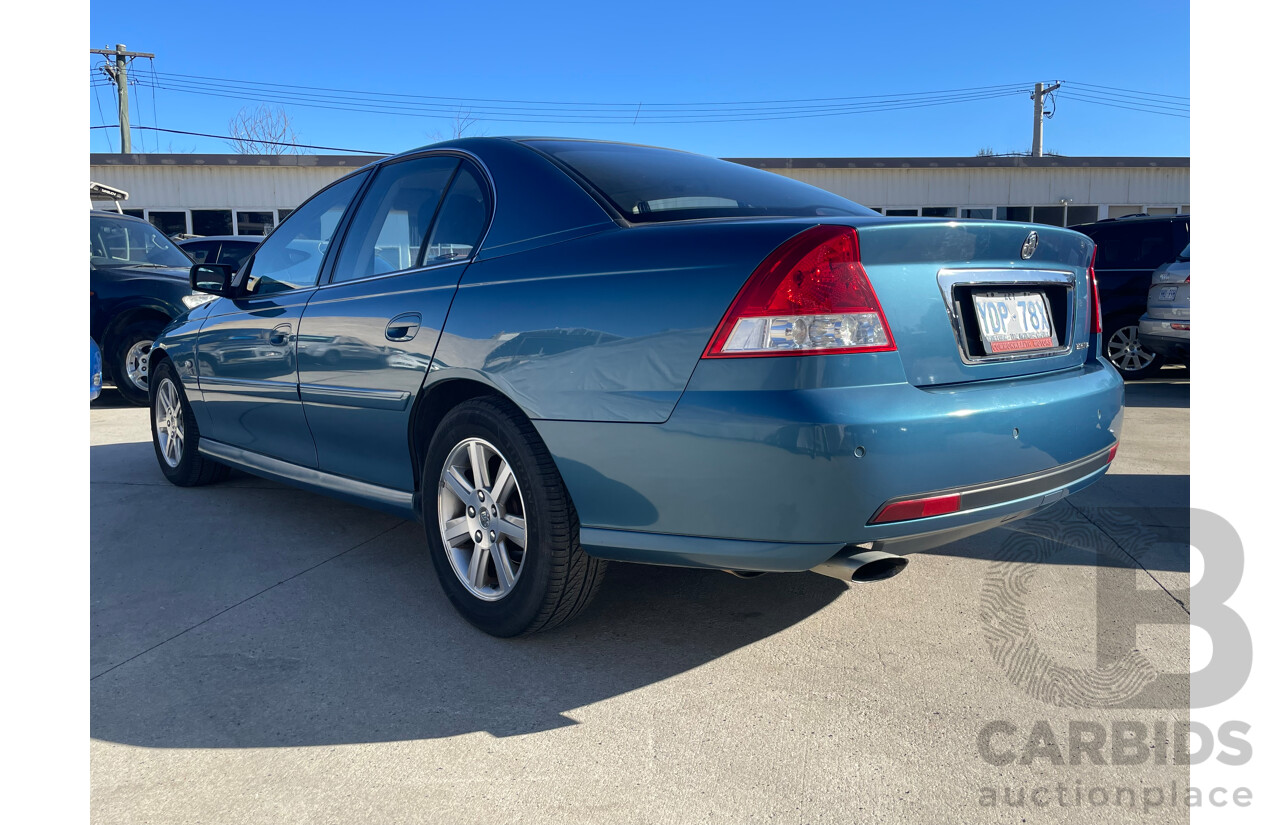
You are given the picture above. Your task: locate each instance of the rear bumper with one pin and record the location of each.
(781, 479)
(1158, 335)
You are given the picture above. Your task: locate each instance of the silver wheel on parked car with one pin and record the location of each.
(1126, 352)
(170, 433)
(481, 518)
(135, 364)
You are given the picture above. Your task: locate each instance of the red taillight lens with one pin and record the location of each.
(918, 508)
(1111, 456)
(1093, 286)
(811, 296)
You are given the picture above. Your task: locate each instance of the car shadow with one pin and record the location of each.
(1158, 392)
(254, 615)
(1121, 521)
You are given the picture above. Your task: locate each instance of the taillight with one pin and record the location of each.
(1093, 286)
(811, 296)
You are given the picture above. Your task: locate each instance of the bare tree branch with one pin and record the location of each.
(257, 131)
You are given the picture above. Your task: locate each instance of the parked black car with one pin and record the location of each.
(138, 282)
(231, 250)
(1130, 249)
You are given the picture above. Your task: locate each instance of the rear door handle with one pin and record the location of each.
(404, 327)
(280, 334)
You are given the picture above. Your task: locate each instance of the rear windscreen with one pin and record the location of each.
(650, 185)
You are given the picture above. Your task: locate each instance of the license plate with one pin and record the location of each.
(1013, 321)
(1168, 293)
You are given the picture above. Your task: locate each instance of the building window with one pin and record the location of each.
(170, 223)
(980, 214)
(1186, 210)
(902, 213)
(211, 222)
(1162, 210)
(938, 212)
(879, 209)
(1077, 215)
(1051, 215)
(1013, 213)
(254, 223)
(1121, 211)
(133, 213)
(283, 213)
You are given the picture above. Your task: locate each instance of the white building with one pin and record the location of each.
(250, 194)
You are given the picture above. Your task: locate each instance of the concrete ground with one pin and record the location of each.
(261, 654)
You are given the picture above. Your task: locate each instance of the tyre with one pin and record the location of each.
(130, 359)
(502, 531)
(174, 433)
(1126, 354)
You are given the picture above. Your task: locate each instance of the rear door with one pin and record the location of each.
(246, 351)
(368, 336)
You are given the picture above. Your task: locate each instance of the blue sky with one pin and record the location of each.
(659, 54)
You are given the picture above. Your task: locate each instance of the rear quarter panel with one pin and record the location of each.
(607, 327)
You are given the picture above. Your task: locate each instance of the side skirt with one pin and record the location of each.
(395, 502)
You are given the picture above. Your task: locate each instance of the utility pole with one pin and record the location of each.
(120, 74)
(1037, 128)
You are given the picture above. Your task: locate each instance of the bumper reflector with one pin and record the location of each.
(918, 508)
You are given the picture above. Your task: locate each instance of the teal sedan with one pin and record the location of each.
(555, 353)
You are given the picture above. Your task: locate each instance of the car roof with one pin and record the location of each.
(1126, 219)
(104, 213)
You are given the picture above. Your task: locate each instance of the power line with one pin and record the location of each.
(1119, 106)
(406, 108)
(1134, 91)
(229, 137)
(570, 104)
(1155, 108)
(103, 120)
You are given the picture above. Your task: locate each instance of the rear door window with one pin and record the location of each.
(202, 251)
(462, 218)
(388, 231)
(1137, 245)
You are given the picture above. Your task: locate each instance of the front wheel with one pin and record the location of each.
(1126, 353)
(174, 433)
(501, 528)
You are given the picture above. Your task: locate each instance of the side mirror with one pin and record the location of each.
(215, 279)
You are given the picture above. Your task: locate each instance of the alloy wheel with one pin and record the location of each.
(170, 431)
(136, 362)
(481, 517)
(1126, 352)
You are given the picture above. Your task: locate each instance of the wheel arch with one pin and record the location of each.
(433, 403)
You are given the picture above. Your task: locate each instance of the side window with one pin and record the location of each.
(462, 218)
(290, 258)
(387, 231)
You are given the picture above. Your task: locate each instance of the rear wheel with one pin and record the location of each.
(502, 531)
(1126, 353)
(131, 360)
(175, 436)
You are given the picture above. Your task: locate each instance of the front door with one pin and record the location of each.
(368, 336)
(246, 354)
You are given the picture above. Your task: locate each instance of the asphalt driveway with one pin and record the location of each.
(261, 654)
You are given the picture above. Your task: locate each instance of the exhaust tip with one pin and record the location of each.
(879, 569)
(864, 566)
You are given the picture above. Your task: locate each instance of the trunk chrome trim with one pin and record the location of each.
(949, 279)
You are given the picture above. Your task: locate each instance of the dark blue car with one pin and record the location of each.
(558, 352)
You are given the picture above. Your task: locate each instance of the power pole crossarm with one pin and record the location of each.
(120, 74)
(1037, 126)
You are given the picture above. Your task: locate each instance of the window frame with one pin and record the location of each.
(484, 178)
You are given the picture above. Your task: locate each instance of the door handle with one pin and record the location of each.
(403, 327)
(280, 334)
